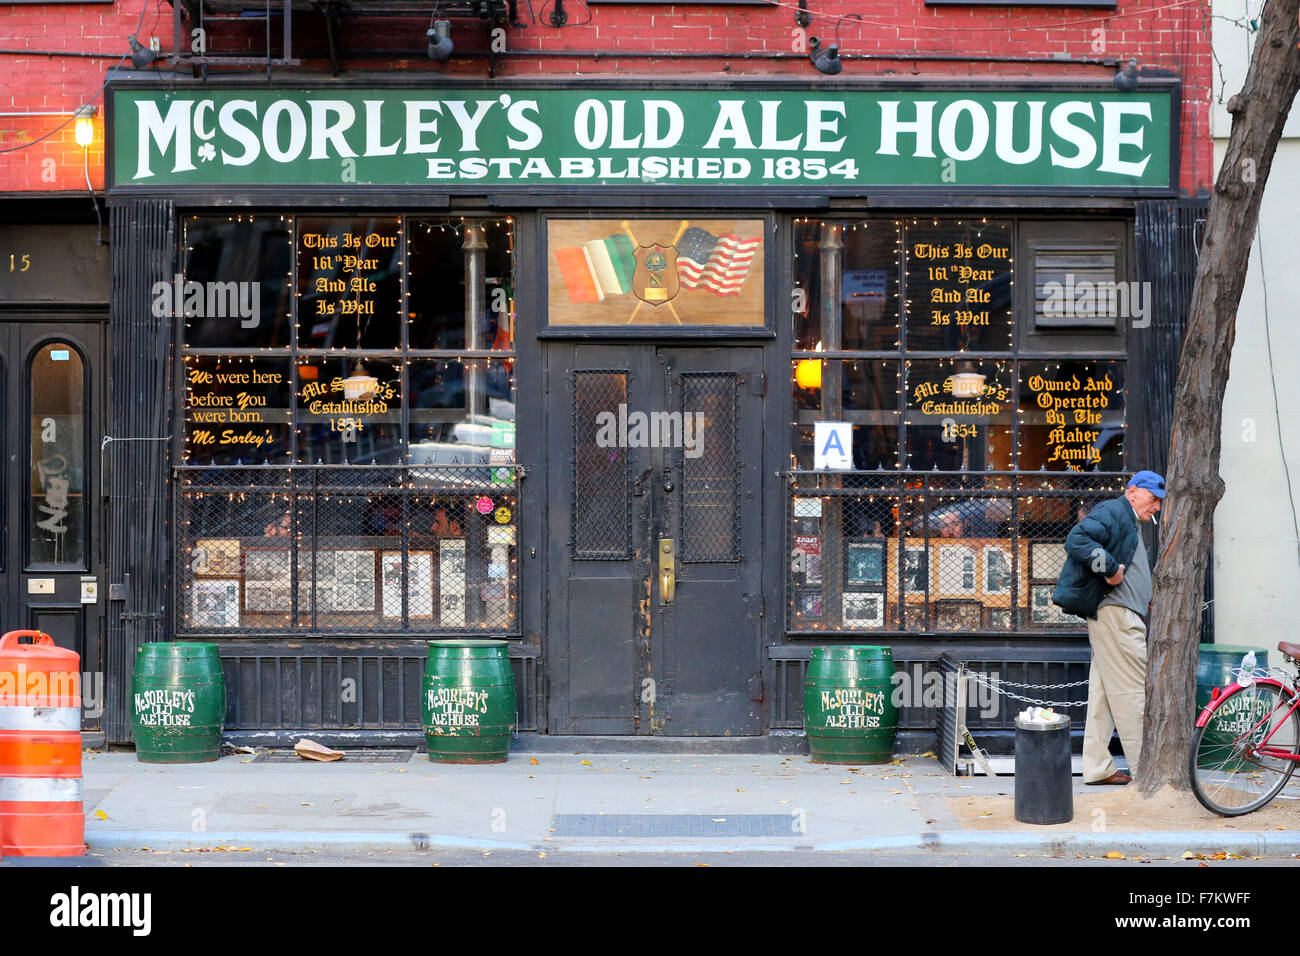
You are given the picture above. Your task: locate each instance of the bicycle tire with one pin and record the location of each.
(1226, 778)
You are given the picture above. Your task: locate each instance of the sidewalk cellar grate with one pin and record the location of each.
(353, 756)
(641, 825)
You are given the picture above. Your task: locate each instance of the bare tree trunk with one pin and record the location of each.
(1259, 112)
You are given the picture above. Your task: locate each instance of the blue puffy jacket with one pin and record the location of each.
(1106, 538)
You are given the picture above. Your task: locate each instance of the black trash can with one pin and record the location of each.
(1044, 789)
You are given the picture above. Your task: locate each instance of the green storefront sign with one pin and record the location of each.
(579, 137)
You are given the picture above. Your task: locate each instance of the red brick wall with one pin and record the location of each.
(1168, 36)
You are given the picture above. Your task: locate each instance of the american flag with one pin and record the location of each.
(719, 263)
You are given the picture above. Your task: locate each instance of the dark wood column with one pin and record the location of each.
(137, 450)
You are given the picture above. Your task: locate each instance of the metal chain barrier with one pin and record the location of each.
(1029, 700)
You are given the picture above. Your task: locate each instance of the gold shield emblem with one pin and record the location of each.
(655, 280)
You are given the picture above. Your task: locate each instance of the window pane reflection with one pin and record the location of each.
(243, 266)
(867, 254)
(349, 411)
(959, 285)
(349, 283)
(436, 285)
(868, 397)
(1072, 416)
(57, 503)
(959, 415)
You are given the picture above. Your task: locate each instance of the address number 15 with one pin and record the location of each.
(20, 263)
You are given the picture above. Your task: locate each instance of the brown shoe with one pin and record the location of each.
(1116, 779)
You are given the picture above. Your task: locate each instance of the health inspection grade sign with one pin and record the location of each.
(1005, 138)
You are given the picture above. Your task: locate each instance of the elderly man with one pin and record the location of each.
(1107, 581)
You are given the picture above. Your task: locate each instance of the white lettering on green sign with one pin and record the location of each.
(855, 138)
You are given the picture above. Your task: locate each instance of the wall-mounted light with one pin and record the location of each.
(802, 17)
(141, 57)
(825, 58)
(559, 17)
(1126, 80)
(440, 45)
(85, 126)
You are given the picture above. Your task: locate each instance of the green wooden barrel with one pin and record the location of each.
(848, 711)
(178, 703)
(1214, 669)
(468, 705)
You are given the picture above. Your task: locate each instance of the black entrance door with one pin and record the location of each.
(655, 533)
(52, 386)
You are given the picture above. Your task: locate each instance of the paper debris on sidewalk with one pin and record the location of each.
(314, 751)
(229, 750)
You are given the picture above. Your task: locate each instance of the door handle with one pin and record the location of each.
(667, 571)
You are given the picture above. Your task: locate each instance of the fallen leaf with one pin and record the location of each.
(306, 804)
(101, 815)
(541, 854)
(585, 763)
(703, 864)
(740, 790)
(534, 761)
(1115, 855)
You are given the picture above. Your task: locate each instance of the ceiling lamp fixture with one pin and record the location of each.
(825, 58)
(360, 386)
(966, 382)
(440, 45)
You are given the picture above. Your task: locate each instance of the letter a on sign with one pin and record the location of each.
(833, 446)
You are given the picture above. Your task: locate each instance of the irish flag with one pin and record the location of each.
(597, 268)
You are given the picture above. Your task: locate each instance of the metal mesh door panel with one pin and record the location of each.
(602, 503)
(710, 499)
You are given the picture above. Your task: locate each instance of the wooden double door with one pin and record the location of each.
(654, 536)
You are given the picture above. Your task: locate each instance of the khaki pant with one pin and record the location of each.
(1116, 689)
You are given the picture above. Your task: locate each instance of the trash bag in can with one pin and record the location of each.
(1044, 789)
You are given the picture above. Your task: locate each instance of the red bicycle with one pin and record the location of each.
(1247, 740)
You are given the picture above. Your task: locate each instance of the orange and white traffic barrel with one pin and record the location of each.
(41, 810)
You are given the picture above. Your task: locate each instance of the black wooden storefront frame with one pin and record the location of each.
(144, 351)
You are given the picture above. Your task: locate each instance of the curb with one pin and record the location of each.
(1170, 844)
(289, 840)
(1173, 843)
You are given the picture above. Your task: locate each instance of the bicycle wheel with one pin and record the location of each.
(1229, 775)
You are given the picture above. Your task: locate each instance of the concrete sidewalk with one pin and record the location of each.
(588, 802)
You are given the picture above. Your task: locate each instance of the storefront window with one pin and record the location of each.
(349, 283)
(242, 267)
(1072, 416)
(868, 398)
(862, 259)
(959, 415)
(958, 287)
(964, 443)
(237, 409)
(441, 251)
(349, 470)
